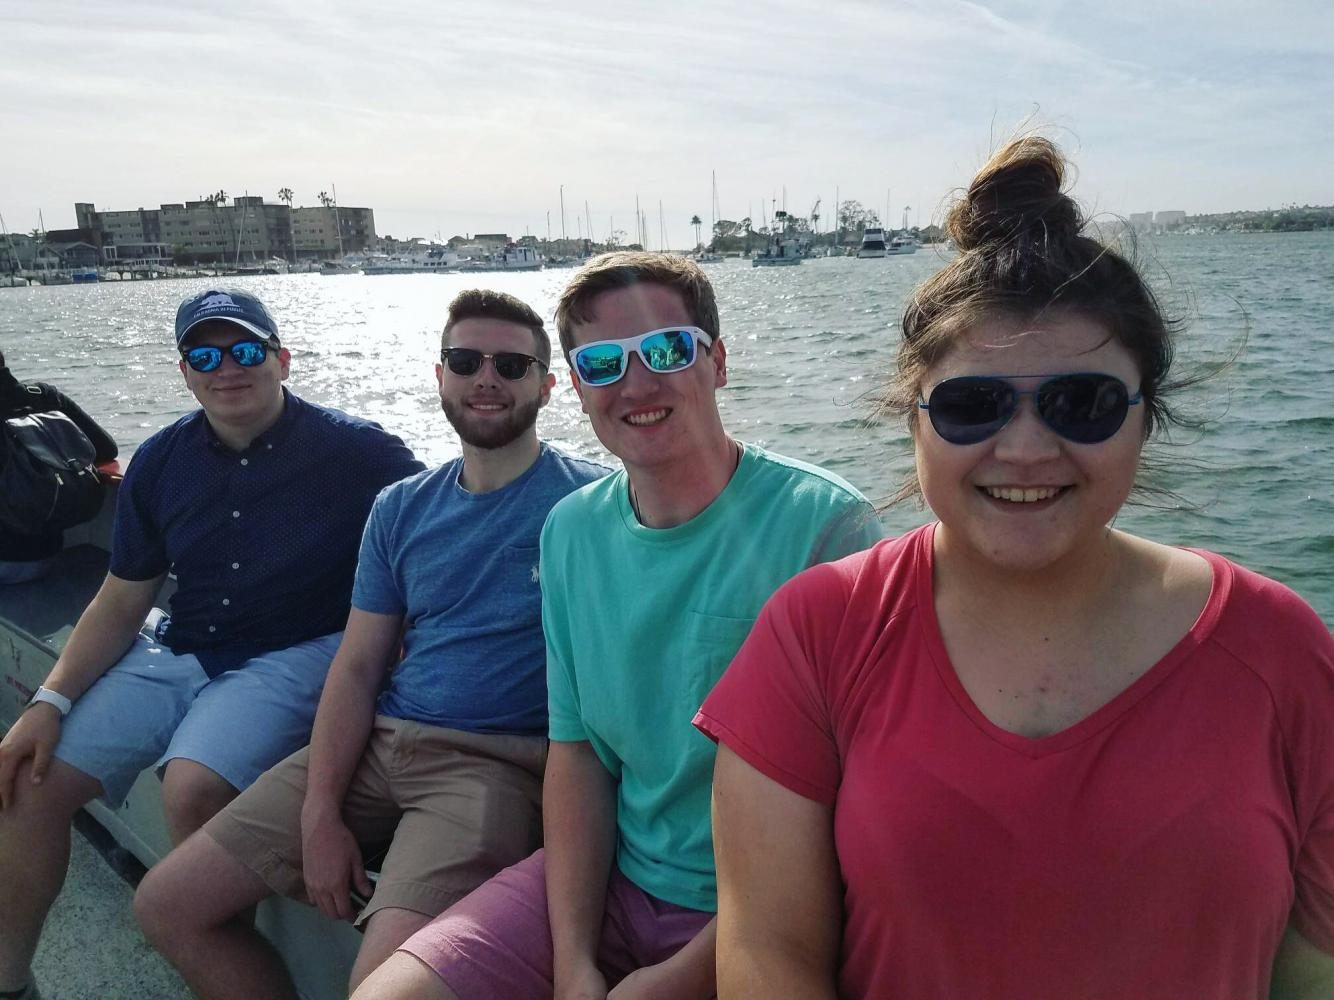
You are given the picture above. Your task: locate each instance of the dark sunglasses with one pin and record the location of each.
(509, 365)
(671, 349)
(1084, 407)
(246, 353)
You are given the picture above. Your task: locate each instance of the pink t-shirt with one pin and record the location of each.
(1158, 848)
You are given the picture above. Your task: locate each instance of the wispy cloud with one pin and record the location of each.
(461, 116)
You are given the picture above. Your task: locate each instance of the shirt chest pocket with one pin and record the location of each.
(711, 642)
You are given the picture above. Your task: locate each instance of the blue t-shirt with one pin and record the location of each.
(462, 570)
(263, 542)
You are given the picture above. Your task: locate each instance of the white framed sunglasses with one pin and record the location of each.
(670, 349)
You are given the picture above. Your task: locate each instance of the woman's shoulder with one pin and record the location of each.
(1268, 627)
(889, 573)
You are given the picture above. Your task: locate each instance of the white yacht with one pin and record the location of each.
(900, 246)
(512, 258)
(873, 243)
(433, 261)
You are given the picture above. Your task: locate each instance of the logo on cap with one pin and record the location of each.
(217, 300)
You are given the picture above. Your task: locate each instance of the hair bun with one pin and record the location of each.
(1017, 192)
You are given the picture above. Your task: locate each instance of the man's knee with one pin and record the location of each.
(47, 806)
(384, 932)
(192, 794)
(197, 887)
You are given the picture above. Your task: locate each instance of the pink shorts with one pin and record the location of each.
(496, 941)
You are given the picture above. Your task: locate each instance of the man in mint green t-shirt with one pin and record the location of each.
(651, 579)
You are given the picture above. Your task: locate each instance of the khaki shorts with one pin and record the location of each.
(451, 807)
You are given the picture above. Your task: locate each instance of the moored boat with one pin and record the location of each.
(512, 258)
(432, 261)
(900, 246)
(873, 244)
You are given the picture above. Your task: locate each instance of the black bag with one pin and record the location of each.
(47, 479)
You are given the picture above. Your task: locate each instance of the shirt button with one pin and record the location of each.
(236, 565)
(226, 601)
(213, 628)
(236, 513)
(268, 447)
(245, 461)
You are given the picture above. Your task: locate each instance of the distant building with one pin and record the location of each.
(17, 252)
(323, 232)
(1141, 222)
(1166, 220)
(207, 231)
(66, 255)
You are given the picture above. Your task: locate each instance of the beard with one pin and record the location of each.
(487, 432)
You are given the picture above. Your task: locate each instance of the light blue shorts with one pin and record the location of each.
(154, 706)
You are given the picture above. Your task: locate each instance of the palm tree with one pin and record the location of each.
(285, 194)
(695, 221)
(324, 199)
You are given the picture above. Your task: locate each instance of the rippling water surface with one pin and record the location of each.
(807, 346)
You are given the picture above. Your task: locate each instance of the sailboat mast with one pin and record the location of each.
(838, 222)
(338, 225)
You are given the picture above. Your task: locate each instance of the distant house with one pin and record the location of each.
(17, 252)
(54, 255)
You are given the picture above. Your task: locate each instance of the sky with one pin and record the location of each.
(453, 117)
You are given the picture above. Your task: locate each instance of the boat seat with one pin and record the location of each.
(47, 608)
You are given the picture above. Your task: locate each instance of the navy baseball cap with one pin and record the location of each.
(230, 305)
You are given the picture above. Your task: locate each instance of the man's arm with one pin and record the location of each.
(579, 824)
(780, 915)
(101, 636)
(1301, 971)
(331, 859)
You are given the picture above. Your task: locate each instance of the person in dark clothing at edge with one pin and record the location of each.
(28, 556)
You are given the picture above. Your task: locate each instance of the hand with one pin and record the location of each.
(34, 735)
(588, 983)
(331, 864)
(652, 982)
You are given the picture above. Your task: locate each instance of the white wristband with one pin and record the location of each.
(53, 698)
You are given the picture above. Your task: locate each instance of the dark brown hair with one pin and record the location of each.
(1023, 251)
(625, 268)
(475, 303)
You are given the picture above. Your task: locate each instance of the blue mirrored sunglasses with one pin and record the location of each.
(671, 349)
(246, 353)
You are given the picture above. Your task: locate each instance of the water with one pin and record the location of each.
(807, 348)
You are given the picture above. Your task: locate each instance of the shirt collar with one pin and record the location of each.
(270, 438)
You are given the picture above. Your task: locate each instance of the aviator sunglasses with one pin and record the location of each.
(464, 361)
(1084, 407)
(671, 349)
(246, 353)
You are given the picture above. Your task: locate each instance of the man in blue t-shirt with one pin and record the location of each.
(254, 503)
(434, 758)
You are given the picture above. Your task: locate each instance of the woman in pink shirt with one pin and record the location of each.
(1018, 752)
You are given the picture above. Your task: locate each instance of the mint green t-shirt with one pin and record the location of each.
(641, 622)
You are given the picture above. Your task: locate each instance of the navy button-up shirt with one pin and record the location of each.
(263, 542)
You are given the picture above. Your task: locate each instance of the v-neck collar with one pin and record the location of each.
(1101, 717)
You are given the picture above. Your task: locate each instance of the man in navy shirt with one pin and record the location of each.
(437, 754)
(256, 502)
